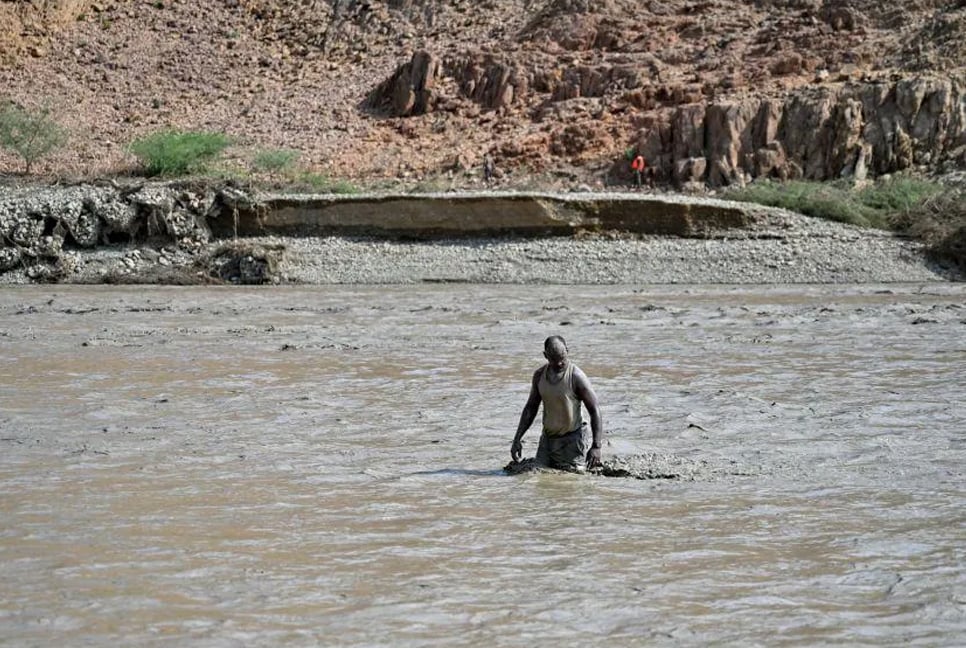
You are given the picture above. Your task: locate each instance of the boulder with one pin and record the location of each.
(85, 230)
(729, 129)
(841, 16)
(491, 83)
(411, 88)
(690, 170)
(10, 258)
(36, 224)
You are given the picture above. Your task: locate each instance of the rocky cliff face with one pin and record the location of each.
(853, 131)
(856, 129)
(710, 91)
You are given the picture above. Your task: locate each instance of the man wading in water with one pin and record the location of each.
(561, 386)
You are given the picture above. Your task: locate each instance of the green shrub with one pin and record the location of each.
(31, 135)
(898, 194)
(274, 160)
(324, 184)
(940, 223)
(922, 209)
(873, 206)
(177, 152)
(432, 184)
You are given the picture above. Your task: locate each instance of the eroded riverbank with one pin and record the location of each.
(191, 234)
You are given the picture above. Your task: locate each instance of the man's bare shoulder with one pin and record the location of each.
(580, 381)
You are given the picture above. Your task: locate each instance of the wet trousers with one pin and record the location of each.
(566, 451)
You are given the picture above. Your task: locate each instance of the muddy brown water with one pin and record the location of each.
(321, 466)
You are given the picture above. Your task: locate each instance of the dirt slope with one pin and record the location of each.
(560, 85)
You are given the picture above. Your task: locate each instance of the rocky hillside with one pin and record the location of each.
(711, 91)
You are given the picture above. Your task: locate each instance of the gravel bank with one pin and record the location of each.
(807, 253)
(783, 248)
(60, 235)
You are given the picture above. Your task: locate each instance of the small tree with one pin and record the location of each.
(30, 134)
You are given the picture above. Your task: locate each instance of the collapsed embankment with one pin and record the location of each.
(478, 214)
(196, 233)
(183, 223)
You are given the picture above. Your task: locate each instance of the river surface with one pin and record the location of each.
(322, 466)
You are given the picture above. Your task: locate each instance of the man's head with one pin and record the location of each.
(555, 351)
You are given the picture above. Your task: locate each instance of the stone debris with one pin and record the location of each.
(649, 465)
(243, 263)
(42, 230)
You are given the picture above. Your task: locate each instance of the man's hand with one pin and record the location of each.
(593, 458)
(516, 450)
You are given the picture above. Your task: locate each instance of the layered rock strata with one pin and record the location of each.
(456, 215)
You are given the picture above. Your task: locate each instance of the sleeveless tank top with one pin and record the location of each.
(561, 407)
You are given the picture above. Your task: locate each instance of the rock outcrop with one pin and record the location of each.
(417, 86)
(410, 90)
(791, 101)
(820, 133)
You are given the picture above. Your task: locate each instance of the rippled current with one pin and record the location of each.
(321, 466)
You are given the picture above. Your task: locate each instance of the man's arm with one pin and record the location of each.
(586, 394)
(526, 417)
